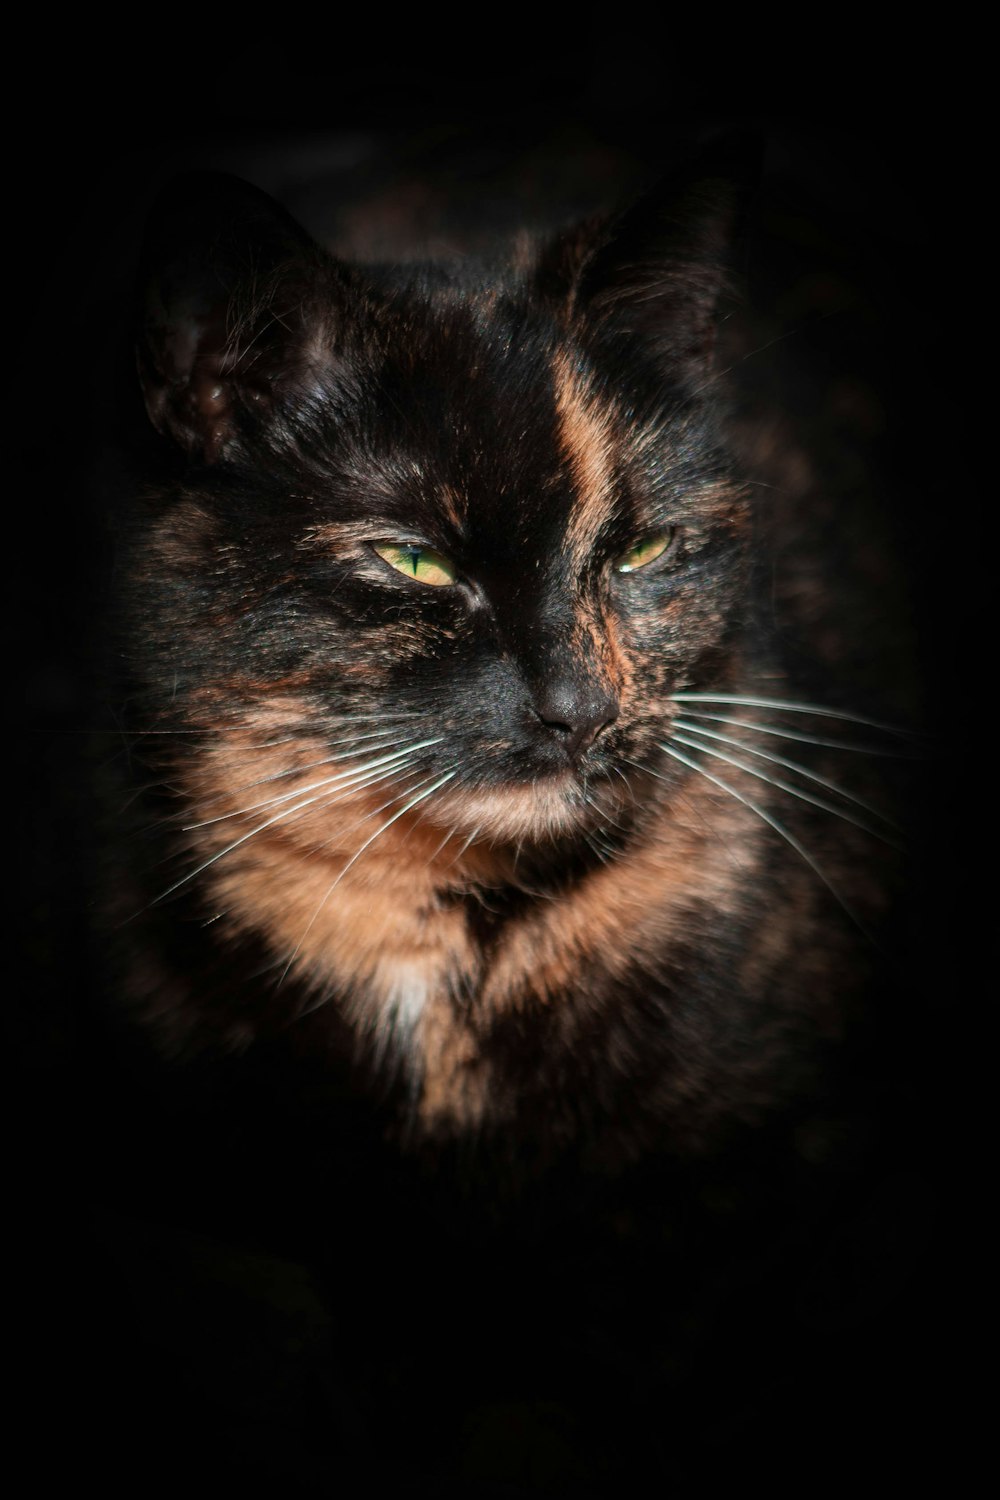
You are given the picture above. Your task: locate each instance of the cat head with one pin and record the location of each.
(458, 534)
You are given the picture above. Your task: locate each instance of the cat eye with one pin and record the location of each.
(645, 552)
(421, 563)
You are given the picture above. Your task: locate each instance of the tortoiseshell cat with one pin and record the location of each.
(449, 616)
(497, 870)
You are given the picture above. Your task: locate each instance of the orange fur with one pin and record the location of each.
(380, 927)
(587, 437)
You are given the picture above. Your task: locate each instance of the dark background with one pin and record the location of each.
(152, 1340)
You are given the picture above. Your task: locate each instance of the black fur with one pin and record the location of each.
(650, 1124)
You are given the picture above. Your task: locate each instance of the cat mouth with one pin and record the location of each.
(560, 803)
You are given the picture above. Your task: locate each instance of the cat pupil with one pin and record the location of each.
(645, 552)
(420, 563)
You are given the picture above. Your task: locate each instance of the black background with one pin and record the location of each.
(153, 1347)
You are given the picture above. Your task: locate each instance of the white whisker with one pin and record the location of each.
(448, 836)
(395, 775)
(784, 786)
(192, 874)
(407, 807)
(802, 738)
(731, 850)
(384, 743)
(789, 765)
(287, 812)
(628, 785)
(213, 730)
(787, 706)
(468, 843)
(778, 827)
(341, 778)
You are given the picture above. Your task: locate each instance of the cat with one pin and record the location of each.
(450, 622)
(500, 859)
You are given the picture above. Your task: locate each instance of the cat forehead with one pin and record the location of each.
(481, 419)
(496, 420)
(548, 463)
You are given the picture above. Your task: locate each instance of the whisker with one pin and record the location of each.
(389, 822)
(779, 829)
(606, 822)
(730, 849)
(383, 741)
(386, 720)
(448, 836)
(407, 807)
(788, 706)
(792, 734)
(287, 812)
(606, 819)
(468, 843)
(784, 786)
(628, 785)
(354, 779)
(605, 852)
(311, 765)
(394, 774)
(342, 777)
(789, 765)
(220, 854)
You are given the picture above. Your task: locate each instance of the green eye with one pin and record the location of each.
(644, 552)
(421, 563)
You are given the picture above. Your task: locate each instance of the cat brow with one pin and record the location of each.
(586, 437)
(340, 533)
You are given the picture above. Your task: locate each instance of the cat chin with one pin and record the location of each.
(539, 812)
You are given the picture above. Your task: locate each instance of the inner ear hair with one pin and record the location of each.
(226, 277)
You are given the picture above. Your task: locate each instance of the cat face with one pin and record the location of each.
(452, 543)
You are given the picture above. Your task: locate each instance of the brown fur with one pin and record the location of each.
(382, 929)
(540, 908)
(588, 439)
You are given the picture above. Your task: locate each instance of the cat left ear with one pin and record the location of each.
(227, 277)
(658, 270)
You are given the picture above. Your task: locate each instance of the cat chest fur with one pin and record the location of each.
(426, 948)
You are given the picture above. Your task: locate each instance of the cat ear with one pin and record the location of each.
(228, 277)
(657, 271)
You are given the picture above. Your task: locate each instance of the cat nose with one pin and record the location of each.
(576, 713)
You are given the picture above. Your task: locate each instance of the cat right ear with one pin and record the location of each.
(227, 277)
(656, 272)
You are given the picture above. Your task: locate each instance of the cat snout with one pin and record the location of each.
(576, 713)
